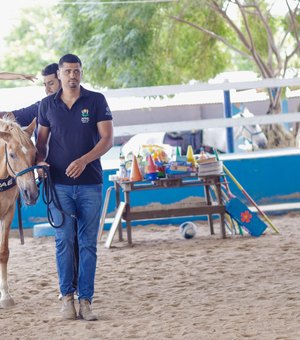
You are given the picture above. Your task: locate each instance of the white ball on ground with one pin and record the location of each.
(188, 230)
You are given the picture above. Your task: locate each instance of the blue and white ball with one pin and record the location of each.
(188, 230)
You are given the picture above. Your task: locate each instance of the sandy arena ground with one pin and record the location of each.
(166, 287)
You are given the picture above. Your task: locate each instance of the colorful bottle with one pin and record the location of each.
(122, 168)
(202, 155)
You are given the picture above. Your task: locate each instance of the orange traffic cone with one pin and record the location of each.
(135, 173)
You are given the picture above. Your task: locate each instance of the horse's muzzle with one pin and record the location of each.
(30, 196)
(262, 144)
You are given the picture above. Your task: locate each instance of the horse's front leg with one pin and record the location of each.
(5, 299)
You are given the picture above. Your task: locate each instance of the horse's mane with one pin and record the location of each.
(9, 124)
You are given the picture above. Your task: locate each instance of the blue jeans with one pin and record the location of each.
(83, 201)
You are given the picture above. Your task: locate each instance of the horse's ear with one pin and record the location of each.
(247, 113)
(9, 116)
(5, 135)
(30, 128)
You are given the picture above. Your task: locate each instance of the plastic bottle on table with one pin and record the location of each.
(202, 155)
(122, 168)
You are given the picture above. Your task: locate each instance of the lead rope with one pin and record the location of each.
(20, 223)
(49, 196)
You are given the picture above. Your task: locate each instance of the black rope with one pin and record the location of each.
(49, 195)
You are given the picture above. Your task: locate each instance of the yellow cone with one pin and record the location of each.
(190, 155)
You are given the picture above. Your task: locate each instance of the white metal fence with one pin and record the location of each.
(207, 123)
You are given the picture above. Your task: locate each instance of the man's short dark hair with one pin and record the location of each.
(50, 69)
(69, 58)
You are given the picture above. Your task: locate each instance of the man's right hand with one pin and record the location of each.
(41, 172)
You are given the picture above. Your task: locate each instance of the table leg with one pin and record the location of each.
(128, 224)
(128, 228)
(220, 202)
(208, 202)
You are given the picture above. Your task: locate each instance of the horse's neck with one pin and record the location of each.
(215, 137)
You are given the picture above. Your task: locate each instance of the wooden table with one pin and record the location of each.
(209, 206)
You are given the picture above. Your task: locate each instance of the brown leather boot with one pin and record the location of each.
(85, 311)
(68, 311)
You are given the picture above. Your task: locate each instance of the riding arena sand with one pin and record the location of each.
(166, 287)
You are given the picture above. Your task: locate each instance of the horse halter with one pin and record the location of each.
(249, 131)
(22, 172)
(49, 192)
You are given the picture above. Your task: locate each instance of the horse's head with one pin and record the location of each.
(19, 155)
(253, 134)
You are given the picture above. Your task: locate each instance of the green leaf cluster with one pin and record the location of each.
(121, 45)
(140, 44)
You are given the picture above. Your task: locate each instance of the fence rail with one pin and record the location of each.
(129, 130)
(175, 89)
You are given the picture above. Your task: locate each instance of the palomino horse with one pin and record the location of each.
(17, 155)
(207, 138)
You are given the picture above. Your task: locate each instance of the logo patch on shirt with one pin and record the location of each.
(85, 116)
(107, 111)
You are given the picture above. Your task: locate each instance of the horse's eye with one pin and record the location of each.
(12, 155)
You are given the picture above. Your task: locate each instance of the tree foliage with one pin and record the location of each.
(32, 43)
(270, 43)
(144, 44)
(128, 45)
(122, 45)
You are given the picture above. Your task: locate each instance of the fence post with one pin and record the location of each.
(228, 114)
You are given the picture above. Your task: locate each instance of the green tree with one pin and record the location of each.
(122, 45)
(128, 45)
(33, 42)
(269, 43)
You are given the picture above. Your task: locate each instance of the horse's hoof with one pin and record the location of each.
(7, 303)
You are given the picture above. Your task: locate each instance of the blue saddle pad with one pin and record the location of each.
(244, 217)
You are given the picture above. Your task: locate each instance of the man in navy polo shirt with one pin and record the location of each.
(25, 115)
(75, 130)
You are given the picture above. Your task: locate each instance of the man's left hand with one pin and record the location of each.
(75, 169)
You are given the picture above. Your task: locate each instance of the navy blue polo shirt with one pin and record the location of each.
(26, 115)
(73, 133)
